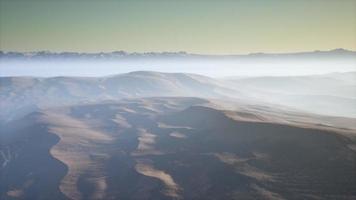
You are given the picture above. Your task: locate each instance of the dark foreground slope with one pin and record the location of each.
(172, 148)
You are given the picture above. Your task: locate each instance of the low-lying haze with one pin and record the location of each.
(48, 64)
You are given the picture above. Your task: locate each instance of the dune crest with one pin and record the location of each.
(75, 149)
(145, 168)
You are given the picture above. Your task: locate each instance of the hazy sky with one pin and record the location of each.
(197, 26)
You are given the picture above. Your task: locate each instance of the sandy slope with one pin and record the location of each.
(188, 148)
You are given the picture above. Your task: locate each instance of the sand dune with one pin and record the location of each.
(78, 141)
(172, 189)
(146, 144)
(177, 148)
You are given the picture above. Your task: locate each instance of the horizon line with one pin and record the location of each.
(172, 52)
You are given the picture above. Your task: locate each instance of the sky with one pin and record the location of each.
(194, 26)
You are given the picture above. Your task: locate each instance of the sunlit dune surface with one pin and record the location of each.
(163, 125)
(100, 186)
(145, 168)
(241, 166)
(17, 193)
(146, 144)
(77, 141)
(267, 194)
(178, 135)
(121, 121)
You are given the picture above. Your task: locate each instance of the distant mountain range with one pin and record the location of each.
(38, 55)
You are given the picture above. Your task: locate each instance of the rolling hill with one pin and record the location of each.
(21, 95)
